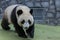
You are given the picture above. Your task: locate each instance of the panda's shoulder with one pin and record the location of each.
(11, 7)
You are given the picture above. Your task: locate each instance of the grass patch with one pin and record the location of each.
(42, 32)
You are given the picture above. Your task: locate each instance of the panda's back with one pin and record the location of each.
(8, 12)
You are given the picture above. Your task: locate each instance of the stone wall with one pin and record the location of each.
(45, 11)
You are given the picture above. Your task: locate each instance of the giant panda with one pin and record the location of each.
(22, 19)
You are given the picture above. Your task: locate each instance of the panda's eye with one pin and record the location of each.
(29, 21)
(22, 22)
(19, 12)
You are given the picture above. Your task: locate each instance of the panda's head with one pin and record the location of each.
(24, 16)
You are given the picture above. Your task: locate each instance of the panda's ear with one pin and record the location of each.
(31, 11)
(19, 12)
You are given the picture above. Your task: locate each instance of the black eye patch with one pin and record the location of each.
(23, 21)
(19, 12)
(29, 21)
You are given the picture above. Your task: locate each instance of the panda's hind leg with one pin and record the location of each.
(5, 24)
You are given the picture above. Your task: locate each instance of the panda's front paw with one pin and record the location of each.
(23, 36)
(6, 28)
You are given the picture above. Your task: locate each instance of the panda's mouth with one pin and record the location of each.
(26, 28)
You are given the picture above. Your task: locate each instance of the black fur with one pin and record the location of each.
(5, 24)
(18, 29)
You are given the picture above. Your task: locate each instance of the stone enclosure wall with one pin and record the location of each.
(45, 11)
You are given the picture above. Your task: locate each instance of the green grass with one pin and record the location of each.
(42, 32)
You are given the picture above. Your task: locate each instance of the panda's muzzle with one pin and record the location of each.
(26, 25)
